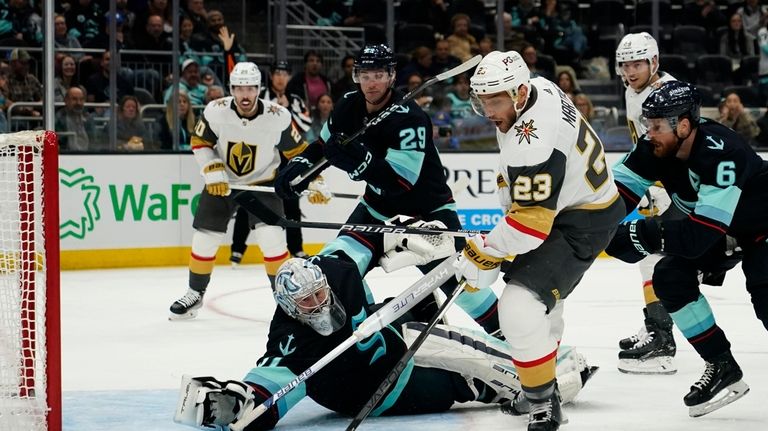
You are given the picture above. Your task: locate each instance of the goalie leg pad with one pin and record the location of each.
(473, 354)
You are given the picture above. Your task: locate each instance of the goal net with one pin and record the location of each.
(30, 372)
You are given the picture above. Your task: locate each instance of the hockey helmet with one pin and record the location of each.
(374, 57)
(637, 46)
(672, 101)
(302, 291)
(245, 74)
(497, 72)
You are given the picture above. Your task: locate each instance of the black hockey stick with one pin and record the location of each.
(463, 67)
(401, 364)
(253, 205)
(391, 311)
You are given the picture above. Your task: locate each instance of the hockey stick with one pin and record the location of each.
(375, 322)
(463, 67)
(267, 189)
(253, 205)
(401, 364)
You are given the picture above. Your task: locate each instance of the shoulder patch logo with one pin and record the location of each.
(715, 145)
(273, 110)
(526, 131)
(287, 349)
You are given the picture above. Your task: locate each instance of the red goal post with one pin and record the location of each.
(30, 333)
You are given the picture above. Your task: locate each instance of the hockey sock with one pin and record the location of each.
(697, 323)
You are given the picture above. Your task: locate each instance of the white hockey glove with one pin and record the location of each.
(479, 264)
(319, 193)
(401, 250)
(658, 203)
(504, 193)
(215, 176)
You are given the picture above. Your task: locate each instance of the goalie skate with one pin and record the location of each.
(720, 385)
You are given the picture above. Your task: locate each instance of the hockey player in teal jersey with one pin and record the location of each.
(399, 163)
(717, 178)
(321, 302)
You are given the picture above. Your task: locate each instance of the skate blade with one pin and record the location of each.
(660, 365)
(189, 315)
(728, 395)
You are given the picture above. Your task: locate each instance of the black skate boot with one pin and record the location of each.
(186, 307)
(719, 386)
(642, 334)
(235, 258)
(546, 415)
(653, 355)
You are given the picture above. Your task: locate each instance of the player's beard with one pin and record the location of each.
(248, 110)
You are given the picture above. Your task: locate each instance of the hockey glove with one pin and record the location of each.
(401, 250)
(654, 202)
(319, 193)
(479, 264)
(351, 157)
(216, 181)
(636, 239)
(297, 166)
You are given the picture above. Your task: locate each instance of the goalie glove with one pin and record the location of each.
(401, 250)
(215, 176)
(479, 264)
(319, 193)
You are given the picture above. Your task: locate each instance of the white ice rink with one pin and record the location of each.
(123, 360)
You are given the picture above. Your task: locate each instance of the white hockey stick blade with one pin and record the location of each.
(728, 395)
(267, 189)
(375, 322)
(463, 67)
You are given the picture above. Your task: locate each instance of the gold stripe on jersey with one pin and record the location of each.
(532, 220)
(293, 152)
(197, 142)
(598, 206)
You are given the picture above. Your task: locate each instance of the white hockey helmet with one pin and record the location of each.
(637, 46)
(302, 291)
(245, 74)
(497, 72)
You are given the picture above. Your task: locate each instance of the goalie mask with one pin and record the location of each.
(302, 291)
(499, 72)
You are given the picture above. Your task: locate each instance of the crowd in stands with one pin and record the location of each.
(562, 40)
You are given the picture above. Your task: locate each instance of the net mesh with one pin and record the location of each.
(22, 283)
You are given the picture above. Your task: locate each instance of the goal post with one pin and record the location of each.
(30, 333)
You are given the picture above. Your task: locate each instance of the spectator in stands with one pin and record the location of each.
(74, 125)
(214, 92)
(101, 40)
(186, 30)
(22, 85)
(762, 139)
(366, 12)
(20, 21)
(762, 42)
(485, 46)
(196, 11)
(753, 16)
(420, 64)
(432, 12)
(566, 80)
(562, 35)
(189, 83)
(66, 77)
(130, 16)
(62, 39)
(97, 85)
(737, 43)
(319, 117)
(185, 124)
(161, 8)
(152, 38)
(514, 38)
(531, 57)
(210, 43)
(332, 12)
(443, 60)
(3, 100)
(85, 19)
(311, 83)
(131, 133)
(463, 44)
(442, 124)
(733, 115)
(412, 81)
(473, 9)
(703, 13)
(461, 106)
(344, 84)
(523, 13)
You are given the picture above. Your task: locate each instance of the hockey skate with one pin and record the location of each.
(235, 258)
(653, 355)
(187, 306)
(719, 386)
(642, 334)
(546, 415)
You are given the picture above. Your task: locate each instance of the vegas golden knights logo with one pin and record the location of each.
(241, 158)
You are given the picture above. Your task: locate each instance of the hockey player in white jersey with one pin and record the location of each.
(561, 208)
(652, 349)
(237, 140)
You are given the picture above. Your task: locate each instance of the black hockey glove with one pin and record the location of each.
(635, 240)
(352, 157)
(295, 168)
